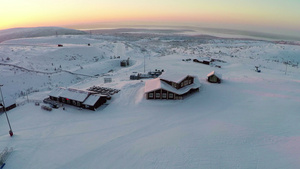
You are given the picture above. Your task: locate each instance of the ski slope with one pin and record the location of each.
(251, 120)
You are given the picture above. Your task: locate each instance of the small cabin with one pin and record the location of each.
(9, 104)
(124, 63)
(214, 77)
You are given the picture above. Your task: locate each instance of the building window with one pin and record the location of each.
(63, 100)
(190, 81)
(74, 103)
(174, 85)
(157, 95)
(78, 104)
(186, 82)
(164, 95)
(150, 95)
(181, 84)
(171, 95)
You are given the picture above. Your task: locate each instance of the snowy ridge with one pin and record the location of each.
(16, 33)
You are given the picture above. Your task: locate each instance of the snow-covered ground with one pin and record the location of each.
(16, 33)
(251, 120)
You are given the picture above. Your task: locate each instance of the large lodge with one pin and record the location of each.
(171, 86)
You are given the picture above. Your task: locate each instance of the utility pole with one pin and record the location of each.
(27, 97)
(286, 63)
(10, 131)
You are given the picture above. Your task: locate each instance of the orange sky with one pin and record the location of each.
(255, 14)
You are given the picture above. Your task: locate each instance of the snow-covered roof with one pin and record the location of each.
(173, 77)
(92, 99)
(8, 101)
(75, 94)
(214, 73)
(155, 84)
(57, 92)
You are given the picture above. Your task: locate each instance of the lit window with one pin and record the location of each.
(171, 96)
(164, 95)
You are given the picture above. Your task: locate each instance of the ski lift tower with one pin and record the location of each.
(4, 108)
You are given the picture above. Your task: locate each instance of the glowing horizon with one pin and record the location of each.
(268, 15)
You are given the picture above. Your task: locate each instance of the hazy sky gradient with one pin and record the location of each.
(265, 15)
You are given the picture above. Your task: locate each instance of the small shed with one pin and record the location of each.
(124, 63)
(107, 80)
(214, 77)
(9, 104)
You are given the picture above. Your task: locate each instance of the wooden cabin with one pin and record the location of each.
(214, 77)
(9, 104)
(80, 98)
(171, 86)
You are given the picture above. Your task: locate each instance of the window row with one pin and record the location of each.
(68, 101)
(159, 95)
(186, 82)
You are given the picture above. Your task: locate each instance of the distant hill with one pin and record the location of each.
(16, 33)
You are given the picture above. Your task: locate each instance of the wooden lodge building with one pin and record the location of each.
(80, 98)
(214, 77)
(171, 86)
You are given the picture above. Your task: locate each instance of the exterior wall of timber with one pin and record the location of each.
(185, 82)
(161, 94)
(100, 102)
(166, 95)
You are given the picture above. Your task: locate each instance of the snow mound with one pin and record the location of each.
(16, 33)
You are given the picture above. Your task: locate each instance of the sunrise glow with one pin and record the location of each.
(283, 15)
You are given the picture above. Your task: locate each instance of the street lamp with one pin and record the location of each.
(10, 131)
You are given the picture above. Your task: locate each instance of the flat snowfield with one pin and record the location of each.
(250, 120)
